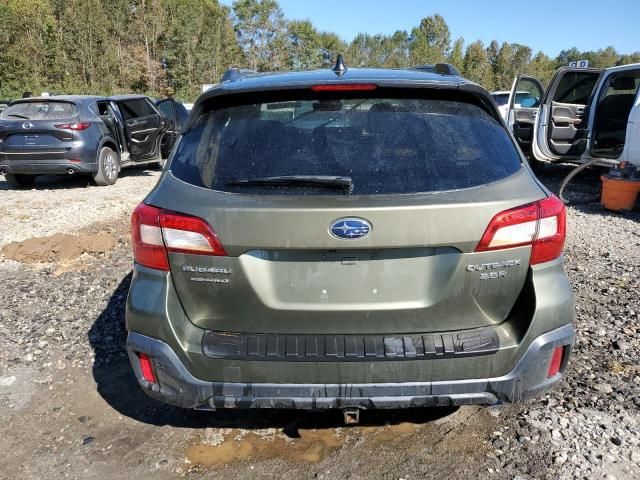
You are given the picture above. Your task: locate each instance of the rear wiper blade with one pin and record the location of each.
(325, 181)
(17, 116)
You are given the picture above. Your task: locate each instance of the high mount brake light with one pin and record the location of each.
(345, 87)
(78, 126)
(156, 232)
(540, 224)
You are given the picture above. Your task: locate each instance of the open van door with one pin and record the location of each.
(562, 127)
(615, 115)
(524, 100)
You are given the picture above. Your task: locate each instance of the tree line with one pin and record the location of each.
(172, 47)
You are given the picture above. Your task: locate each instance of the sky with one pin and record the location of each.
(546, 25)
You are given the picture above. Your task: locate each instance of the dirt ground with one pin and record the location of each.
(70, 406)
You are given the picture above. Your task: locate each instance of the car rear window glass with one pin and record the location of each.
(136, 108)
(501, 98)
(40, 110)
(385, 145)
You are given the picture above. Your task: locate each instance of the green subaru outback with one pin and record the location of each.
(348, 238)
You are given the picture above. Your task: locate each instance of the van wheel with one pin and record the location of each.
(108, 166)
(20, 180)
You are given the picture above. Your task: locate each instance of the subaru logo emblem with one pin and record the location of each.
(350, 228)
(27, 125)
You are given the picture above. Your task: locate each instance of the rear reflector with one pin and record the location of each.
(556, 362)
(74, 126)
(146, 368)
(345, 87)
(156, 232)
(540, 224)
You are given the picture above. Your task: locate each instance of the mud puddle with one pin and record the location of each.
(221, 447)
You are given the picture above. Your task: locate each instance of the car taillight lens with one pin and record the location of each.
(540, 224)
(74, 126)
(556, 362)
(146, 368)
(156, 232)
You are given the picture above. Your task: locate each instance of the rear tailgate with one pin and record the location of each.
(35, 130)
(428, 177)
(415, 272)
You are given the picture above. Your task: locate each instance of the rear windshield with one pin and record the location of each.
(40, 111)
(384, 145)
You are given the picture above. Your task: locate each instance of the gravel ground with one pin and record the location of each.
(70, 408)
(60, 204)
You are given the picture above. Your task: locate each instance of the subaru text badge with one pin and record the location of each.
(350, 228)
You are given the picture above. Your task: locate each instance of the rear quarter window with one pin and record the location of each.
(39, 110)
(385, 145)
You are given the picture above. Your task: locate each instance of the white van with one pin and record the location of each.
(584, 114)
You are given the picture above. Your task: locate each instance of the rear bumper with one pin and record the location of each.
(175, 384)
(78, 162)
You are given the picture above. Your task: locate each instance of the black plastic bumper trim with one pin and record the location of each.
(327, 348)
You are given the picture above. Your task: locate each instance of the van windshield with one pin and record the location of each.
(384, 146)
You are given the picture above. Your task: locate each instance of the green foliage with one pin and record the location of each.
(456, 57)
(430, 41)
(163, 47)
(476, 65)
(261, 30)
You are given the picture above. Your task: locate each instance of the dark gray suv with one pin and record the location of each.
(81, 134)
(348, 239)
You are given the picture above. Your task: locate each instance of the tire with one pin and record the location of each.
(108, 167)
(20, 180)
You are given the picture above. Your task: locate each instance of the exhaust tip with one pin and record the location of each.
(3, 171)
(70, 171)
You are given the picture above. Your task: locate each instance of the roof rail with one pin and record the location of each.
(234, 74)
(439, 68)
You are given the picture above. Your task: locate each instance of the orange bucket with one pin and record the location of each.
(619, 194)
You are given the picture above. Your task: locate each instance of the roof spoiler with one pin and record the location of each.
(234, 74)
(439, 68)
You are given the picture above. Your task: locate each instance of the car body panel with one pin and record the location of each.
(427, 240)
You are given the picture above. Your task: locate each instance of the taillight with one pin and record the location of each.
(146, 368)
(155, 232)
(74, 126)
(540, 224)
(345, 87)
(556, 362)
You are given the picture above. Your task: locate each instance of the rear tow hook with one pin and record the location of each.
(351, 416)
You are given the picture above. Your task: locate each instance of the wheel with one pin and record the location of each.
(20, 180)
(108, 167)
